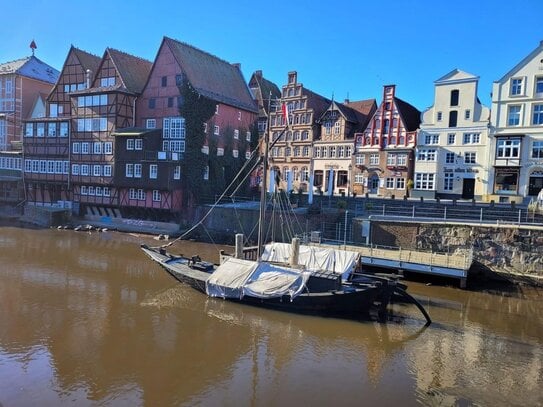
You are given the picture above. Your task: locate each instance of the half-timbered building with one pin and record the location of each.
(47, 139)
(383, 161)
(108, 104)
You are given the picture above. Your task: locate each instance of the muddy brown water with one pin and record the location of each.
(87, 319)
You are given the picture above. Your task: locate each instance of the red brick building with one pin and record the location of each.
(383, 161)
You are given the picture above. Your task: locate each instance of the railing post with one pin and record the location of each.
(345, 231)
(413, 215)
(384, 209)
(519, 216)
(481, 217)
(445, 213)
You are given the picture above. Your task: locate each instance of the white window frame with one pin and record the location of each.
(153, 171)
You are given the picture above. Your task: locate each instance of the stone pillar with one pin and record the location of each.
(295, 254)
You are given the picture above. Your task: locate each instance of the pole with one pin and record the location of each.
(345, 231)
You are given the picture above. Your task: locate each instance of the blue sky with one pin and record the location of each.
(341, 48)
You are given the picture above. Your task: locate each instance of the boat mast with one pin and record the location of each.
(262, 214)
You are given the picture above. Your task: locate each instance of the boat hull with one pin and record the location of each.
(351, 301)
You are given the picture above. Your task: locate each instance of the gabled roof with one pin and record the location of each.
(88, 61)
(212, 77)
(267, 90)
(521, 64)
(409, 113)
(318, 103)
(133, 70)
(363, 110)
(456, 75)
(31, 67)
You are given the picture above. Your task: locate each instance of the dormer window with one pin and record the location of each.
(105, 82)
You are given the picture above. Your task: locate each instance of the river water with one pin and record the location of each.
(87, 319)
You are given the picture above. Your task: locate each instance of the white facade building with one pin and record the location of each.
(452, 154)
(517, 135)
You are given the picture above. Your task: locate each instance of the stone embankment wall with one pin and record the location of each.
(500, 249)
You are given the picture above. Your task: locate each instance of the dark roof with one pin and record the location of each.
(87, 60)
(359, 111)
(318, 103)
(212, 77)
(409, 113)
(133, 70)
(266, 90)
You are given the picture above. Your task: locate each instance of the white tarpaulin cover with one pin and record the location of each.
(236, 278)
(313, 258)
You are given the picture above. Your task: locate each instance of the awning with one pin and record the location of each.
(134, 132)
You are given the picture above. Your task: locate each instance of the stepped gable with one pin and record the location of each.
(133, 70)
(31, 67)
(409, 113)
(211, 76)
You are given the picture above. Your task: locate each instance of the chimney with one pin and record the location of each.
(237, 65)
(88, 78)
(258, 74)
(347, 101)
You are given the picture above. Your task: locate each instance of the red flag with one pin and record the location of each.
(284, 109)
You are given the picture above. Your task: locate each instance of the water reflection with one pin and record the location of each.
(87, 319)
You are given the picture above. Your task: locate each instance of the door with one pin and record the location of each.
(468, 188)
(373, 184)
(535, 185)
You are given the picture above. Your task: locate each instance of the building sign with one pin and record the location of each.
(460, 170)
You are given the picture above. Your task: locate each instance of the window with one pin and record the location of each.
(132, 193)
(75, 148)
(453, 118)
(108, 147)
(97, 170)
(137, 170)
(358, 178)
(129, 171)
(401, 160)
(173, 127)
(220, 151)
(83, 190)
(400, 183)
(152, 103)
(29, 130)
(340, 152)
(391, 159)
(390, 183)
(90, 190)
(98, 191)
(305, 135)
(156, 195)
(305, 151)
(537, 149)
(538, 86)
(51, 129)
(170, 102)
(40, 130)
(296, 151)
(177, 172)
(374, 159)
(97, 148)
(472, 138)
(63, 129)
(508, 148)
(513, 116)
(164, 81)
(216, 109)
(431, 139)
(424, 181)
(248, 136)
(516, 86)
(467, 114)
(426, 155)
(85, 148)
(236, 134)
(332, 152)
(216, 130)
(178, 79)
(454, 97)
(138, 144)
(84, 169)
(130, 144)
(324, 152)
(538, 114)
(107, 81)
(239, 115)
(206, 172)
(337, 128)
(451, 138)
(75, 169)
(448, 181)
(107, 170)
(360, 160)
(449, 158)
(470, 158)
(153, 171)
(106, 191)
(235, 153)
